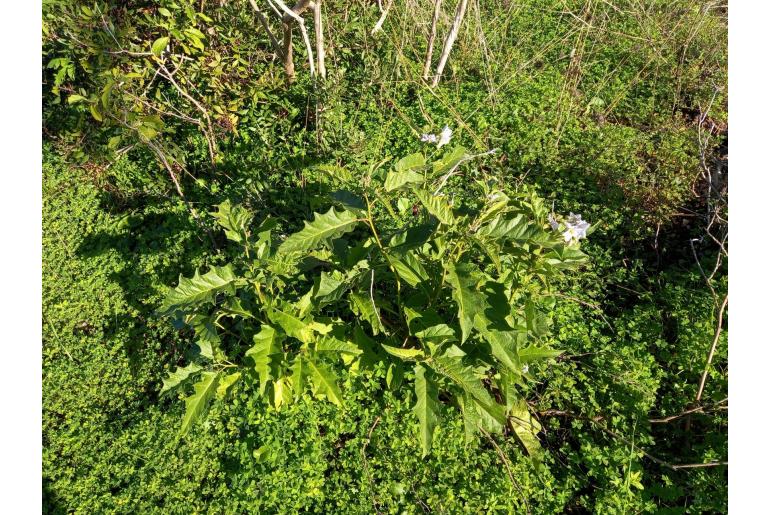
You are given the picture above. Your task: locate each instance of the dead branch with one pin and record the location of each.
(507, 468)
(290, 17)
(450, 41)
(381, 21)
(209, 132)
(711, 352)
(651, 457)
(700, 409)
(431, 39)
(263, 21)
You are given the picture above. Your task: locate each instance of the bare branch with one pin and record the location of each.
(263, 21)
(711, 352)
(450, 41)
(381, 21)
(290, 16)
(431, 39)
(319, 39)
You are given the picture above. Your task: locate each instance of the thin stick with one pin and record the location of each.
(711, 352)
(366, 463)
(663, 463)
(507, 467)
(431, 39)
(450, 41)
(209, 134)
(699, 409)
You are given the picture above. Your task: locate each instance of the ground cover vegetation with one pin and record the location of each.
(327, 257)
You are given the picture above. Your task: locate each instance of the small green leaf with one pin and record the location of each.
(526, 427)
(208, 339)
(409, 268)
(234, 220)
(298, 375)
(465, 378)
(449, 160)
(73, 99)
(405, 172)
(159, 46)
(365, 308)
(331, 344)
(95, 113)
(294, 326)
(532, 353)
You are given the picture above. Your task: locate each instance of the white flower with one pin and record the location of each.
(429, 138)
(446, 135)
(525, 369)
(576, 228)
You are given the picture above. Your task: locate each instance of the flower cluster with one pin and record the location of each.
(575, 228)
(441, 139)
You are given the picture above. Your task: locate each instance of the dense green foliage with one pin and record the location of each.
(606, 109)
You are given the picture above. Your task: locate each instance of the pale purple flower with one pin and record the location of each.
(554, 223)
(429, 138)
(576, 228)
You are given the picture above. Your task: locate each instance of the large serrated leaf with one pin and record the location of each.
(469, 300)
(196, 404)
(325, 381)
(426, 407)
(177, 377)
(234, 219)
(437, 206)
(526, 427)
(199, 289)
(267, 344)
(409, 268)
(292, 325)
(322, 229)
(331, 344)
(363, 306)
(404, 173)
(465, 378)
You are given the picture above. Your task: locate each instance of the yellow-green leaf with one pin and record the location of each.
(159, 45)
(196, 404)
